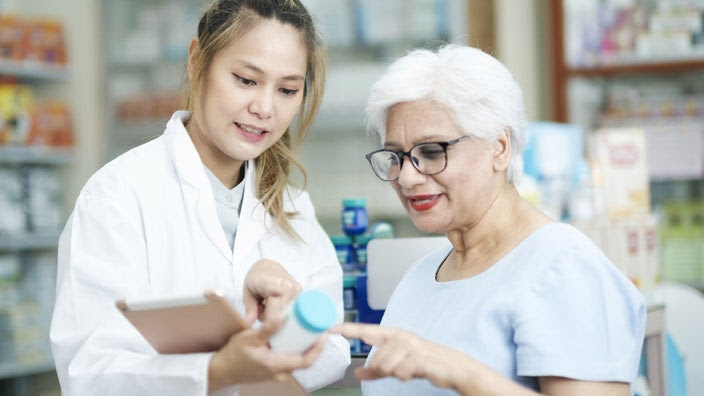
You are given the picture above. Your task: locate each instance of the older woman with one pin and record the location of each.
(520, 303)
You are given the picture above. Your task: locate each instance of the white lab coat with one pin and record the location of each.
(146, 225)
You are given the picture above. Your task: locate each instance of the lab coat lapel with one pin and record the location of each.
(253, 220)
(197, 191)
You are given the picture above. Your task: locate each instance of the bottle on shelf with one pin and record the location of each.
(354, 216)
(360, 250)
(345, 252)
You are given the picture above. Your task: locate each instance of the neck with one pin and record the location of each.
(501, 214)
(228, 170)
(508, 221)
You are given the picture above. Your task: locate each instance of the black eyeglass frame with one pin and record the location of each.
(400, 154)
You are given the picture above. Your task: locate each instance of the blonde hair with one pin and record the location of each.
(227, 20)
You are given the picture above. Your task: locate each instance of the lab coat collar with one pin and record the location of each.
(253, 219)
(253, 216)
(183, 153)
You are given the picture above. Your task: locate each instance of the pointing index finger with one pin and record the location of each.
(370, 334)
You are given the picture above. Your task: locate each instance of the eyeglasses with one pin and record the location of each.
(428, 158)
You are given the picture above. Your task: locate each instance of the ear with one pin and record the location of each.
(193, 49)
(502, 150)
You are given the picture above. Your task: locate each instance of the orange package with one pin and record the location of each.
(11, 31)
(51, 125)
(44, 41)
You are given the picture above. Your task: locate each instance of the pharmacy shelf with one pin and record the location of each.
(641, 67)
(34, 155)
(562, 72)
(29, 241)
(13, 369)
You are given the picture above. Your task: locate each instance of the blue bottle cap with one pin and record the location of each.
(354, 202)
(315, 311)
(340, 240)
(382, 230)
(362, 239)
(349, 281)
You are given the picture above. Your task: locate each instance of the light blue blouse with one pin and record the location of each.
(553, 306)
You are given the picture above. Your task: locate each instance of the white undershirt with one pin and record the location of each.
(227, 205)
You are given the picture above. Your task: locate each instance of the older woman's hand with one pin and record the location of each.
(404, 355)
(268, 288)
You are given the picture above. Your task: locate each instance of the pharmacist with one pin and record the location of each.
(207, 205)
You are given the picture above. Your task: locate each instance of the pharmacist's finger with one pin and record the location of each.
(273, 308)
(267, 329)
(252, 306)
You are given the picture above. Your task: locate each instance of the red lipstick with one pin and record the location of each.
(421, 203)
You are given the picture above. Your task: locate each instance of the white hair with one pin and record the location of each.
(475, 87)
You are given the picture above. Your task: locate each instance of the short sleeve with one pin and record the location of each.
(580, 318)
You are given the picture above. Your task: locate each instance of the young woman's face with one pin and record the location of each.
(458, 196)
(249, 96)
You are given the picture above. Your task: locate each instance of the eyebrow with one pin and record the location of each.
(256, 69)
(427, 139)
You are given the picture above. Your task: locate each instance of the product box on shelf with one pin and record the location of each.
(11, 32)
(682, 239)
(631, 243)
(15, 113)
(13, 219)
(32, 41)
(45, 42)
(623, 171)
(44, 199)
(51, 124)
(27, 121)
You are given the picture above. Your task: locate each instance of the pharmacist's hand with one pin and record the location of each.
(268, 288)
(404, 355)
(247, 357)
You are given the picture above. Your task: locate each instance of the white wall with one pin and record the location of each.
(521, 46)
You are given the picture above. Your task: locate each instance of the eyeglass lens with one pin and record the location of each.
(427, 158)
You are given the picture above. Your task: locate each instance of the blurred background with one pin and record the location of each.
(614, 92)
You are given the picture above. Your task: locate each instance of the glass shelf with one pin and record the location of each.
(31, 240)
(34, 155)
(32, 71)
(13, 369)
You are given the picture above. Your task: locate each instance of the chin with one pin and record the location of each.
(237, 153)
(427, 226)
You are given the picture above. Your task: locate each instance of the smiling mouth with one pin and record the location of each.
(249, 129)
(420, 200)
(422, 203)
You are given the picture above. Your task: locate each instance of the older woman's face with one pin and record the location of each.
(455, 198)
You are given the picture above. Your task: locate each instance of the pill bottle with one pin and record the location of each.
(310, 314)
(381, 229)
(360, 250)
(354, 216)
(349, 300)
(345, 252)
